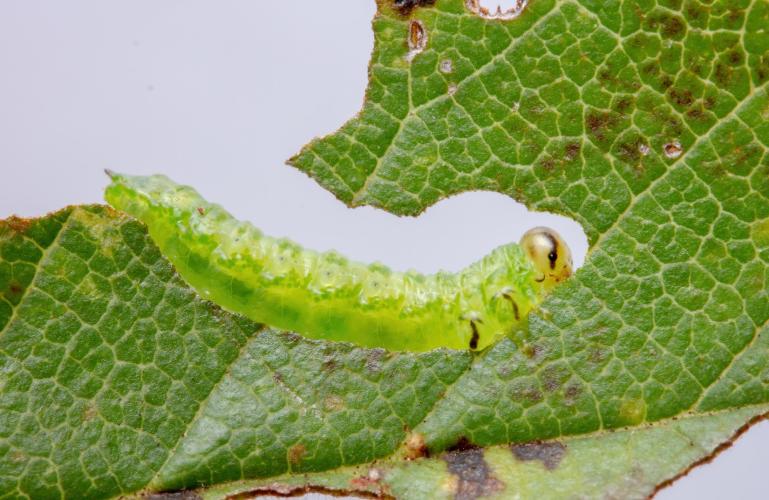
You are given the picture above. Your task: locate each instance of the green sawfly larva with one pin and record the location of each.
(326, 296)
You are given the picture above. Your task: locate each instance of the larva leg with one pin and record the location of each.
(516, 309)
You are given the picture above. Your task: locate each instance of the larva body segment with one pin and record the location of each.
(324, 295)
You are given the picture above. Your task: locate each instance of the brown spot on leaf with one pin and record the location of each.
(329, 364)
(296, 453)
(417, 39)
(404, 7)
(16, 224)
(682, 97)
(415, 446)
(374, 360)
(462, 444)
(333, 403)
(201, 211)
(550, 453)
(572, 150)
(598, 124)
(474, 477)
(548, 164)
(672, 27)
(735, 57)
(14, 288)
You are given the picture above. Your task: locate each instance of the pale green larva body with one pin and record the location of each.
(326, 296)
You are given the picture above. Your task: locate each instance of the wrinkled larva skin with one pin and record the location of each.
(324, 295)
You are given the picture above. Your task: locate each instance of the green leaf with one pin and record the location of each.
(117, 377)
(623, 464)
(646, 122)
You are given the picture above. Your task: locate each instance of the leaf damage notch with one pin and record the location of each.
(293, 491)
(474, 477)
(550, 454)
(513, 12)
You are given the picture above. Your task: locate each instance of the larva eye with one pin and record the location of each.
(549, 253)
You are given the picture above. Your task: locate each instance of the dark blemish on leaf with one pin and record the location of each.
(462, 444)
(666, 82)
(696, 114)
(329, 364)
(14, 288)
(296, 453)
(533, 395)
(531, 351)
(548, 164)
(693, 12)
(292, 338)
(624, 105)
(599, 123)
(596, 354)
(572, 391)
(404, 7)
(550, 454)
(474, 477)
(374, 360)
(415, 446)
(723, 74)
(672, 27)
(572, 150)
(201, 211)
(16, 224)
(551, 380)
(735, 57)
(630, 151)
(683, 97)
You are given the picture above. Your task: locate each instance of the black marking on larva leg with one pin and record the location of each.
(475, 336)
(516, 311)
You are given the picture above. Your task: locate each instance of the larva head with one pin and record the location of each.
(550, 255)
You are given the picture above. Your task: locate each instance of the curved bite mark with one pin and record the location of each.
(550, 454)
(476, 8)
(417, 40)
(474, 477)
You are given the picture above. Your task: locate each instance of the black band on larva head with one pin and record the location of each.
(549, 254)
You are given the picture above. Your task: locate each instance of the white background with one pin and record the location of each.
(218, 94)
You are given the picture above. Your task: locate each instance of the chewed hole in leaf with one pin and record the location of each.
(447, 236)
(497, 9)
